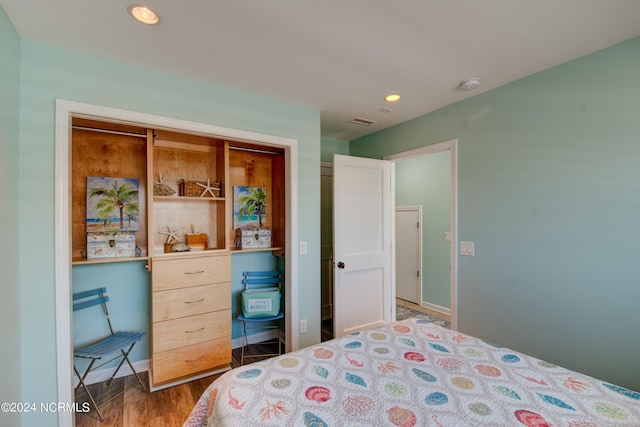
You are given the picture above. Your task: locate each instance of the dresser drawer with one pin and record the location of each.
(186, 331)
(184, 272)
(174, 364)
(185, 302)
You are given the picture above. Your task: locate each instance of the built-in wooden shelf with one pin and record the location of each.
(81, 260)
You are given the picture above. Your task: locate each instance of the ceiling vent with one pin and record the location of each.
(362, 122)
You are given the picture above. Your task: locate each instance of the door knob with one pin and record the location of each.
(341, 264)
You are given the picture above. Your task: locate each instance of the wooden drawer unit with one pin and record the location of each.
(191, 330)
(192, 271)
(191, 314)
(179, 363)
(185, 302)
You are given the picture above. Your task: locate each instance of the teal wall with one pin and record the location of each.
(549, 191)
(330, 146)
(48, 73)
(426, 181)
(10, 386)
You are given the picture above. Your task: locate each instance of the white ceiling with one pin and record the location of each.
(340, 57)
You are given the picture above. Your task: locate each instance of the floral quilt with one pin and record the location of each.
(411, 373)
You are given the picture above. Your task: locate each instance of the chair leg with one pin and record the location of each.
(126, 357)
(245, 342)
(81, 378)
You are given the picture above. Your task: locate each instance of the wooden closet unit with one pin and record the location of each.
(186, 184)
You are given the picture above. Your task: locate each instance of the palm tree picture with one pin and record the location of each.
(249, 207)
(111, 201)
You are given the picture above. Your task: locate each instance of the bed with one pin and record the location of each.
(411, 373)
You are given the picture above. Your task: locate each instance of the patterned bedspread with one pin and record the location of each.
(411, 373)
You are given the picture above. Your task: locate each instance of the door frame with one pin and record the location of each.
(64, 112)
(417, 209)
(452, 146)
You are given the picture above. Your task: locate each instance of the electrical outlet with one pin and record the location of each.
(467, 249)
(303, 326)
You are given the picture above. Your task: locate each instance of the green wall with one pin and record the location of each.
(549, 191)
(426, 181)
(48, 73)
(330, 146)
(10, 386)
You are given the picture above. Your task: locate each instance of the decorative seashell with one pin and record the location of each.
(438, 347)
(413, 356)
(449, 364)
(489, 371)
(179, 247)
(320, 371)
(355, 379)
(472, 352)
(280, 383)
(313, 420)
(463, 383)
(353, 344)
(510, 358)
(358, 406)
(395, 389)
(480, 408)
(407, 342)
(531, 419)
(401, 417)
(402, 329)
(505, 391)
(289, 362)
(251, 373)
(610, 411)
(323, 353)
(424, 375)
(436, 398)
(318, 394)
(555, 401)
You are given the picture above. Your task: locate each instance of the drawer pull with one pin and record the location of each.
(195, 360)
(194, 302)
(195, 330)
(194, 272)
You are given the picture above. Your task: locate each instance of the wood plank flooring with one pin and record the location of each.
(164, 408)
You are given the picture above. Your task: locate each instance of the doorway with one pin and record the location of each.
(409, 253)
(439, 245)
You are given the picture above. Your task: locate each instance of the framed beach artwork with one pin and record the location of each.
(112, 204)
(249, 207)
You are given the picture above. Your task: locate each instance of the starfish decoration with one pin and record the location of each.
(208, 188)
(194, 230)
(171, 233)
(161, 177)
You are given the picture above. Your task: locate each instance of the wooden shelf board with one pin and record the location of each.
(178, 198)
(82, 261)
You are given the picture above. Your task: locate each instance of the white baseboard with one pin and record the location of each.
(436, 308)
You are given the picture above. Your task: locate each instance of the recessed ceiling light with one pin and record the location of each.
(143, 14)
(392, 97)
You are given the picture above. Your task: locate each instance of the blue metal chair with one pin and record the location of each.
(262, 290)
(118, 344)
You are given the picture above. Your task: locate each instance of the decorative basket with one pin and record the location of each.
(192, 189)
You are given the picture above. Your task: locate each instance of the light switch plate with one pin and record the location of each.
(447, 236)
(467, 249)
(303, 248)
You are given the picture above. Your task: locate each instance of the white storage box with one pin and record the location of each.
(111, 245)
(253, 238)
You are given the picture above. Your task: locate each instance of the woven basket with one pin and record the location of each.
(192, 189)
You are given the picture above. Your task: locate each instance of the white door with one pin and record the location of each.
(409, 253)
(363, 206)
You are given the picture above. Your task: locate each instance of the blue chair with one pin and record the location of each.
(263, 293)
(117, 344)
